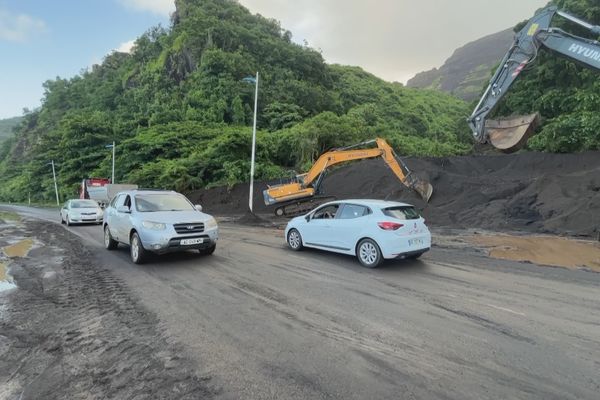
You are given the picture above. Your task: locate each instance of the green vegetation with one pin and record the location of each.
(468, 69)
(7, 126)
(566, 94)
(181, 115)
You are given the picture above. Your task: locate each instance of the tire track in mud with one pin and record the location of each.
(72, 330)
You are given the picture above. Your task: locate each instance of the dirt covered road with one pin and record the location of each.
(257, 321)
(73, 330)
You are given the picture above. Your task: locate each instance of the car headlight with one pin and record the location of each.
(155, 226)
(210, 224)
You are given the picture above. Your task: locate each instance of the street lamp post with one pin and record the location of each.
(55, 184)
(109, 146)
(255, 82)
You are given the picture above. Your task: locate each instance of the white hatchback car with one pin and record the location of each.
(81, 211)
(372, 230)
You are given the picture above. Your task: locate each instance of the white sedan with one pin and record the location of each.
(372, 230)
(79, 211)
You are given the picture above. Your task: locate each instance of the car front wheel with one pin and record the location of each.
(368, 253)
(137, 251)
(294, 240)
(109, 242)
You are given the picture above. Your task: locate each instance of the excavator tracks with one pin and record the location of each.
(295, 208)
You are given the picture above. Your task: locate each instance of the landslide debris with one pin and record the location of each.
(534, 192)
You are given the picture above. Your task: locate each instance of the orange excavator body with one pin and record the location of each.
(305, 187)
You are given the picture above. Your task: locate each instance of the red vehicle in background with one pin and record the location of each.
(101, 190)
(91, 182)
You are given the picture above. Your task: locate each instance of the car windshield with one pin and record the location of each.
(402, 212)
(162, 202)
(84, 204)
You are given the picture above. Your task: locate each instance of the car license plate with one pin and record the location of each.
(188, 242)
(415, 242)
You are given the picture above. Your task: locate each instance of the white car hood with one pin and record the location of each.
(174, 217)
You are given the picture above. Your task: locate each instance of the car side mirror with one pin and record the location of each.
(198, 207)
(124, 209)
(307, 218)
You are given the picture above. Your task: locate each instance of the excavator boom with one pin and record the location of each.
(293, 198)
(511, 134)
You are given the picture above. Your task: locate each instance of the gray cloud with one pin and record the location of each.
(393, 39)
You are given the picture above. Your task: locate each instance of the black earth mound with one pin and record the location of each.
(535, 192)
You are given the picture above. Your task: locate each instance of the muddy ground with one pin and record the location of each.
(74, 331)
(263, 322)
(534, 192)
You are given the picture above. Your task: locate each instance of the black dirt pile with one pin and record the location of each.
(537, 192)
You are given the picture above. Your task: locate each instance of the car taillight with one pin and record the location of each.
(390, 226)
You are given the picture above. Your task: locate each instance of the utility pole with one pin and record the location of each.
(253, 80)
(108, 146)
(113, 163)
(55, 184)
(251, 202)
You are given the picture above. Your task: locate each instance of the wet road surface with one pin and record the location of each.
(268, 323)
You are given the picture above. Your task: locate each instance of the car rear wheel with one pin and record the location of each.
(294, 240)
(136, 249)
(109, 242)
(208, 251)
(368, 253)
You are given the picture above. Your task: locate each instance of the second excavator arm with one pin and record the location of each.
(510, 135)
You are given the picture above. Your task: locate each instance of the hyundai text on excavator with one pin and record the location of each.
(510, 134)
(304, 193)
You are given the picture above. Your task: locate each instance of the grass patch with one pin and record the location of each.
(9, 216)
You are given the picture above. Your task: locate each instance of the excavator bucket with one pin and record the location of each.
(422, 187)
(511, 134)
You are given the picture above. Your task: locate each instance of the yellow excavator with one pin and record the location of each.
(303, 194)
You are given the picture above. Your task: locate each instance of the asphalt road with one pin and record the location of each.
(267, 323)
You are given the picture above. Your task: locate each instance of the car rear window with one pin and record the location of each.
(402, 212)
(84, 204)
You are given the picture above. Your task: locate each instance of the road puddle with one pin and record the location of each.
(6, 281)
(19, 249)
(543, 250)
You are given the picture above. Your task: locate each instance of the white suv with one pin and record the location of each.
(155, 221)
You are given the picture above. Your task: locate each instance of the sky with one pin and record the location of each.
(393, 39)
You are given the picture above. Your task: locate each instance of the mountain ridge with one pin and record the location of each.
(468, 69)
